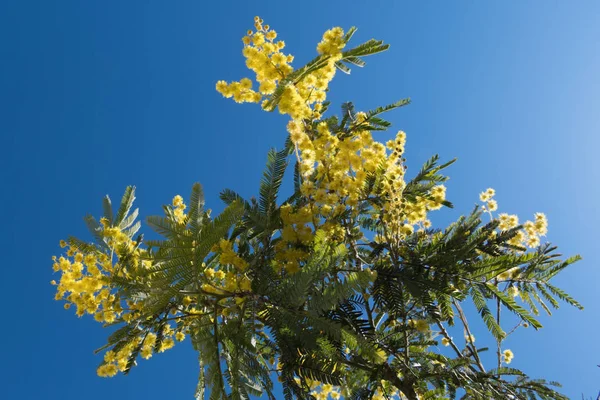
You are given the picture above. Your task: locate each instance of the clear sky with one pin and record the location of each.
(97, 95)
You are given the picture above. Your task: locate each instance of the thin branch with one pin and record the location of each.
(447, 336)
(470, 337)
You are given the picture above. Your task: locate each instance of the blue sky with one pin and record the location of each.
(95, 96)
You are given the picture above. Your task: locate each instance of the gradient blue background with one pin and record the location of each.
(97, 95)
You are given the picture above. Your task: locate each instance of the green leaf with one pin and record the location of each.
(126, 203)
(339, 65)
(349, 34)
(127, 222)
(355, 60)
(389, 107)
(512, 306)
(564, 296)
(348, 114)
(368, 48)
(486, 314)
(107, 206)
(164, 226)
(271, 182)
(196, 214)
(95, 229)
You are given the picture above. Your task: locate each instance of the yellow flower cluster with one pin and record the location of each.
(535, 229)
(510, 274)
(229, 257)
(508, 221)
(264, 57)
(179, 209)
(391, 393)
(84, 281)
(327, 391)
(324, 391)
(400, 214)
(335, 170)
(488, 198)
(507, 356)
(341, 166)
(420, 325)
(303, 98)
(513, 291)
(532, 230)
(223, 282)
(296, 232)
(271, 66)
(115, 362)
(332, 42)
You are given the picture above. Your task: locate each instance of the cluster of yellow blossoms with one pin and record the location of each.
(334, 167)
(86, 283)
(488, 198)
(272, 68)
(402, 215)
(117, 361)
(295, 233)
(335, 170)
(84, 279)
(420, 325)
(323, 391)
(179, 209)
(86, 274)
(230, 279)
(532, 230)
(229, 257)
(507, 356)
(327, 391)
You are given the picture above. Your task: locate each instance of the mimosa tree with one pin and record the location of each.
(342, 290)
